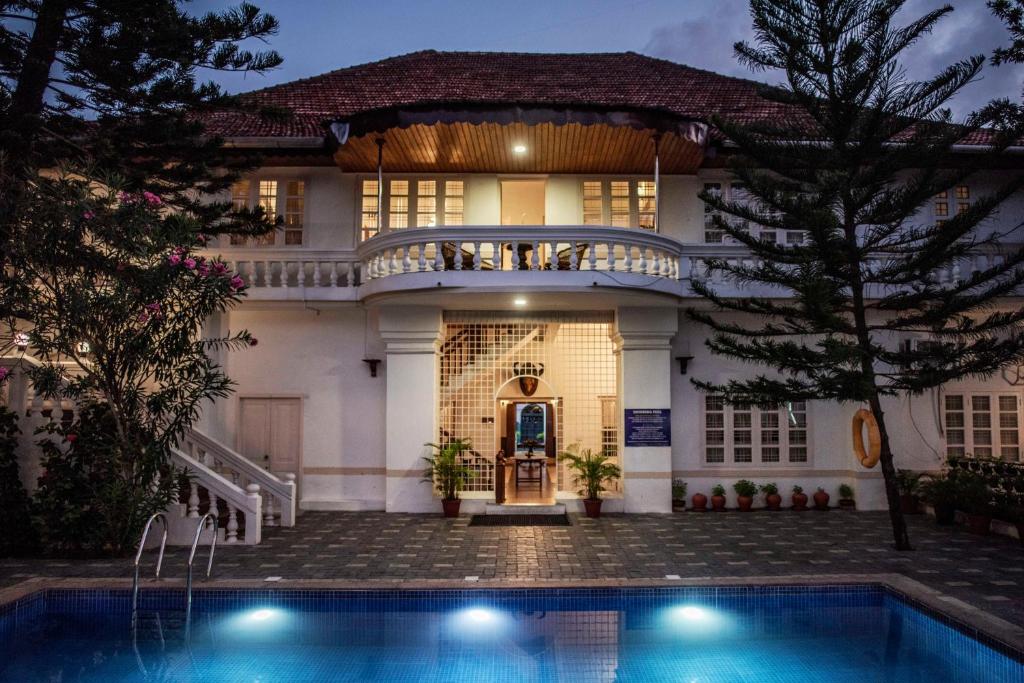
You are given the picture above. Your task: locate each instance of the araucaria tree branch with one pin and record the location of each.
(854, 168)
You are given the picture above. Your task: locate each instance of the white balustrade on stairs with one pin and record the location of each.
(278, 492)
(246, 502)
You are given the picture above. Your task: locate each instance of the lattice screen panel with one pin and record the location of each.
(478, 362)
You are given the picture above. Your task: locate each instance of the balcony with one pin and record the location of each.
(497, 258)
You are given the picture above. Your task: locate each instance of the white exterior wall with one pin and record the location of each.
(319, 357)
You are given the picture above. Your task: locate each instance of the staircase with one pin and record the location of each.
(242, 495)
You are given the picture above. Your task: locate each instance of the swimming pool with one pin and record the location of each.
(855, 633)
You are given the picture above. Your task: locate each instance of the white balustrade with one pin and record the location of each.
(246, 502)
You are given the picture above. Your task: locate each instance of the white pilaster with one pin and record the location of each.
(643, 339)
(411, 336)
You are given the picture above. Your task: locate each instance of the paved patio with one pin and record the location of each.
(984, 572)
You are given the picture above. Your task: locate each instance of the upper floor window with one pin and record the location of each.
(957, 199)
(738, 193)
(983, 424)
(284, 198)
(742, 434)
(411, 202)
(623, 203)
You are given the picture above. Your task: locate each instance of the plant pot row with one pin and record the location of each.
(773, 501)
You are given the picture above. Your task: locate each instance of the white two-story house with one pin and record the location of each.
(498, 247)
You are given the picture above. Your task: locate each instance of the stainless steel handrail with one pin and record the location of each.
(138, 557)
(192, 556)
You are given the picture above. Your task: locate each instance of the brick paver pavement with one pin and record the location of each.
(985, 572)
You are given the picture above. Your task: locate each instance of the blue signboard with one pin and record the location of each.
(648, 427)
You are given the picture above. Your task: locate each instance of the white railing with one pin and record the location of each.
(294, 267)
(239, 502)
(279, 504)
(520, 248)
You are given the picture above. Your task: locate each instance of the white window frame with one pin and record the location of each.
(998, 438)
(606, 199)
(412, 207)
(277, 238)
(756, 444)
(729, 191)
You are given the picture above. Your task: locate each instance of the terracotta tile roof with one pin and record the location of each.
(624, 79)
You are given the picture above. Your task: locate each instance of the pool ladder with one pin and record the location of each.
(208, 520)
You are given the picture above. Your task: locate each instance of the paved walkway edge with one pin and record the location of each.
(969, 619)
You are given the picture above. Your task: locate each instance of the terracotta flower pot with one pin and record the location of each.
(799, 501)
(451, 507)
(718, 503)
(847, 504)
(909, 504)
(593, 507)
(745, 502)
(820, 500)
(945, 514)
(979, 524)
(699, 502)
(773, 501)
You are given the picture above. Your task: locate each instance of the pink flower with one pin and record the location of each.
(220, 268)
(151, 198)
(190, 263)
(254, 341)
(180, 250)
(88, 215)
(174, 259)
(237, 282)
(71, 438)
(202, 239)
(124, 197)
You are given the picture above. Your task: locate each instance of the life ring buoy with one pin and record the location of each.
(868, 457)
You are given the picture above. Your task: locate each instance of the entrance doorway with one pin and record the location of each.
(530, 453)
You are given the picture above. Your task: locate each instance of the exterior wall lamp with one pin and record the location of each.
(373, 363)
(684, 361)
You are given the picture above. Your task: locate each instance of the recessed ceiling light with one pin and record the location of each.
(520, 301)
(519, 149)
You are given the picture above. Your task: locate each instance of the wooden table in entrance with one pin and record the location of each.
(529, 462)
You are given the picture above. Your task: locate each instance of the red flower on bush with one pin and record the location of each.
(71, 438)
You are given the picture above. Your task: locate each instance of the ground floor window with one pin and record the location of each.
(745, 434)
(983, 424)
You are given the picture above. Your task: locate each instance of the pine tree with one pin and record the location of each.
(861, 151)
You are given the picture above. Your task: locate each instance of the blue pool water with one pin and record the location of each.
(858, 634)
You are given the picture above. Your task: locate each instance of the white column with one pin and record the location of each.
(411, 336)
(643, 338)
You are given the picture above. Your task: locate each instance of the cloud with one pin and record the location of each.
(706, 42)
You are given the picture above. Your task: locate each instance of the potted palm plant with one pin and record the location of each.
(593, 470)
(718, 498)
(678, 494)
(446, 471)
(799, 498)
(846, 501)
(772, 499)
(940, 491)
(908, 483)
(745, 492)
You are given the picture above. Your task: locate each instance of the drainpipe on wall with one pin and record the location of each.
(657, 182)
(380, 186)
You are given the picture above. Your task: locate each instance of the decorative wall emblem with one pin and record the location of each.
(529, 376)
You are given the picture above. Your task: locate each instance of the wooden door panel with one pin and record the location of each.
(254, 437)
(285, 434)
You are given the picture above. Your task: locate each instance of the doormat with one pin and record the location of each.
(519, 520)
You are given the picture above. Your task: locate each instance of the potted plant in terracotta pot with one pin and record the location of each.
(908, 483)
(799, 498)
(699, 503)
(446, 471)
(821, 499)
(745, 492)
(940, 492)
(974, 499)
(772, 499)
(846, 501)
(592, 470)
(718, 498)
(678, 494)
